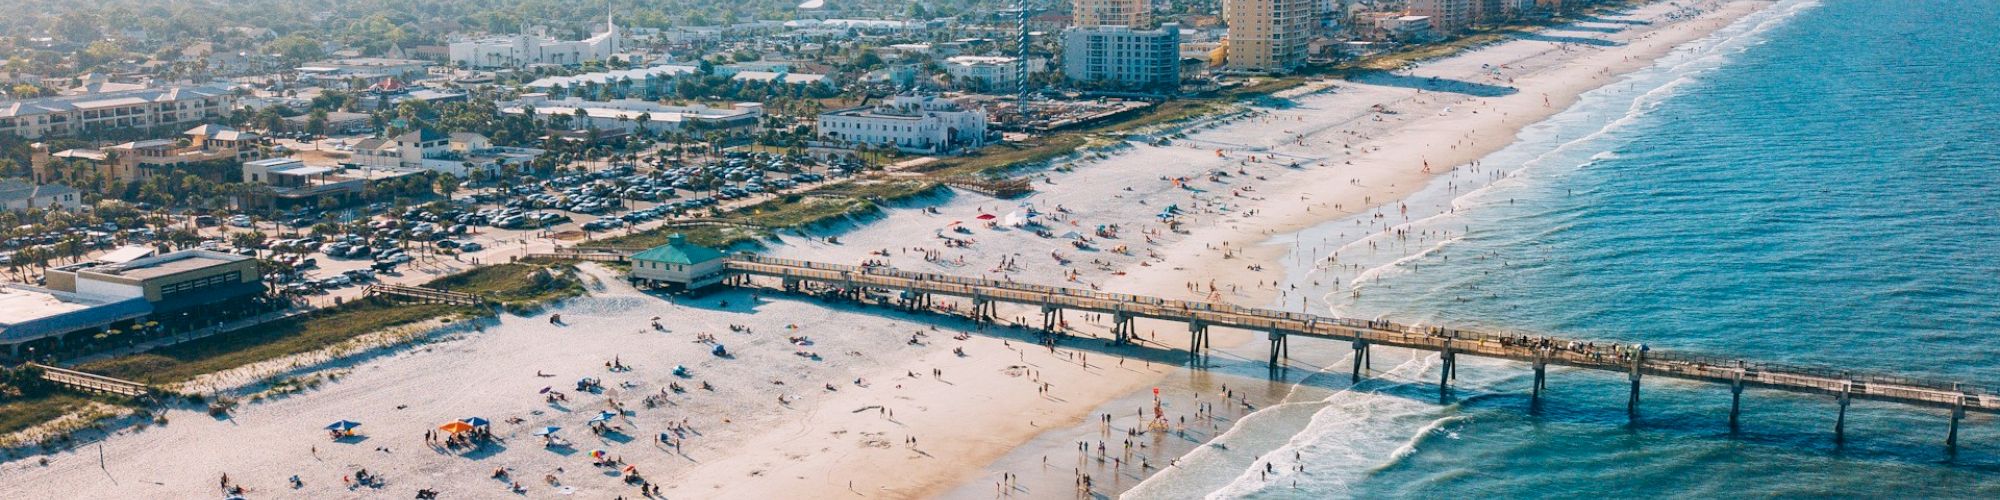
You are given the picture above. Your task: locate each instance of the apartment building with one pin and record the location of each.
(1123, 57)
(68, 115)
(1268, 36)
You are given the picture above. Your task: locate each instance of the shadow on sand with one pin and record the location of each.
(1433, 84)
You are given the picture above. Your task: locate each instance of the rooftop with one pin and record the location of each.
(167, 265)
(61, 104)
(28, 313)
(679, 251)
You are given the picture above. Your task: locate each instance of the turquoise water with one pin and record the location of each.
(1819, 183)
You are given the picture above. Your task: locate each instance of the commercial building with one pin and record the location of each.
(649, 83)
(171, 283)
(29, 314)
(627, 115)
(918, 124)
(1405, 28)
(1089, 13)
(1268, 36)
(363, 68)
(68, 115)
(528, 50)
(289, 181)
(435, 151)
(678, 265)
(1122, 57)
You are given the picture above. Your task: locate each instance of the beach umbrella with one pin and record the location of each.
(547, 431)
(476, 422)
(1072, 235)
(455, 427)
(545, 390)
(987, 217)
(598, 454)
(343, 426)
(602, 416)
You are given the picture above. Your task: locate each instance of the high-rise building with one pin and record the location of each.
(1120, 56)
(1268, 35)
(1135, 13)
(1447, 16)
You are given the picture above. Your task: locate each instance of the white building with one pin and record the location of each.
(454, 154)
(525, 50)
(18, 195)
(996, 73)
(126, 109)
(917, 124)
(625, 115)
(1119, 56)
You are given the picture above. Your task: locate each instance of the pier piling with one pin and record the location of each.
(1735, 399)
(1840, 423)
(1360, 357)
(854, 283)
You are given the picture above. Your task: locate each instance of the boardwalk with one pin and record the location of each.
(916, 289)
(90, 382)
(424, 294)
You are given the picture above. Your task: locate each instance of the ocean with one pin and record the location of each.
(1818, 183)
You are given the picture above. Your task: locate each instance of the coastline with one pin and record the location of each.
(973, 421)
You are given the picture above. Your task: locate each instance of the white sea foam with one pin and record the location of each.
(1359, 431)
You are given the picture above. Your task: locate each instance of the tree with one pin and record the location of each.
(447, 184)
(316, 124)
(246, 239)
(296, 48)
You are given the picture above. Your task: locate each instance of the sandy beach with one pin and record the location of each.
(835, 414)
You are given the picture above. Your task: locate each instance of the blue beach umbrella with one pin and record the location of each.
(476, 422)
(343, 425)
(547, 431)
(602, 416)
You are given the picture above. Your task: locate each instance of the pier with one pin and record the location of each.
(917, 290)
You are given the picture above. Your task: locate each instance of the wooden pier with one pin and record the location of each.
(90, 382)
(916, 289)
(429, 295)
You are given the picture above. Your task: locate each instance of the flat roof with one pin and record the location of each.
(167, 265)
(20, 304)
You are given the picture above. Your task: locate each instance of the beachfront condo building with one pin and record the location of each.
(916, 124)
(1123, 57)
(1447, 16)
(1087, 13)
(529, 50)
(145, 108)
(1268, 36)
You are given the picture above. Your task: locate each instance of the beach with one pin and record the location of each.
(814, 419)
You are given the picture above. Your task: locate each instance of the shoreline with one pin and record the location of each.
(974, 418)
(1401, 149)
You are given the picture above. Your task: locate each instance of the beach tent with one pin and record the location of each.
(547, 431)
(1014, 219)
(343, 426)
(476, 422)
(456, 427)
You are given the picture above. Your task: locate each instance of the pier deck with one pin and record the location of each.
(1540, 351)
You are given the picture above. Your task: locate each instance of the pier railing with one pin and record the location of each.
(1634, 359)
